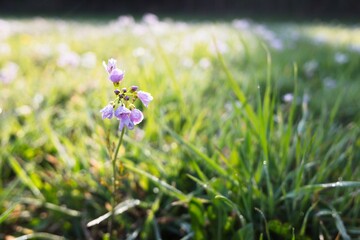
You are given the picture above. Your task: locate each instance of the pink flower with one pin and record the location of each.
(145, 97)
(136, 116)
(110, 66)
(116, 75)
(123, 114)
(107, 112)
(121, 110)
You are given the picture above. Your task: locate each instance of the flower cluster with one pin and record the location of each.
(123, 107)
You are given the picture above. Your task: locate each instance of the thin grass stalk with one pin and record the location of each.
(113, 201)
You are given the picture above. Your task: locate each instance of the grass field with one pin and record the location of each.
(253, 132)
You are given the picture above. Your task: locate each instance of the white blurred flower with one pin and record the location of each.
(354, 48)
(5, 29)
(139, 30)
(269, 36)
(276, 44)
(23, 110)
(187, 62)
(5, 49)
(150, 19)
(88, 60)
(319, 40)
(181, 26)
(9, 72)
(139, 134)
(125, 21)
(37, 100)
(341, 58)
(143, 55)
(139, 52)
(68, 59)
(204, 63)
(241, 24)
(329, 83)
(306, 98)
(220, 46)
(288, 97)
(310, 67)
(62, 47)
(264, 32)
(43, 50)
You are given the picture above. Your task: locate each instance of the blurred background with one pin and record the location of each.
(348, 9)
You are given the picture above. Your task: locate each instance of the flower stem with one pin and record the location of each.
(113, 202)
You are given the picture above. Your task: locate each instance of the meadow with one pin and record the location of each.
(253, 132)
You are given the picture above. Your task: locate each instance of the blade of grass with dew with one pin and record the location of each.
(119, 209)
(265, 119)
(40, 235)
(319, 187)
(24, 177)
(287, 136)
(233, 206)
(51, 206)
(265, 223)
(307, 214)
(338, 222)
(237, 90)
(219, 196)
(69, 162)
(167, 188)
(210, 163)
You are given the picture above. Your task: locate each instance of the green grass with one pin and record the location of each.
(220, 154)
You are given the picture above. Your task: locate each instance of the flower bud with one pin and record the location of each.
(117, 91)
(134, 88)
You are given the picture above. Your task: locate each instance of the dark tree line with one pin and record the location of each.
(313, 8)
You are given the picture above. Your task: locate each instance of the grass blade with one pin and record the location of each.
(210, 163)
(317, 187)
(42, 235)
(20, 172)
(165, 186)
(119, 209)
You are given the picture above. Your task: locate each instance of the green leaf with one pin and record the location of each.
(245, 233)
(196, 210)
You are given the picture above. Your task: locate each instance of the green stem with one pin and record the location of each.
(114, 181)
